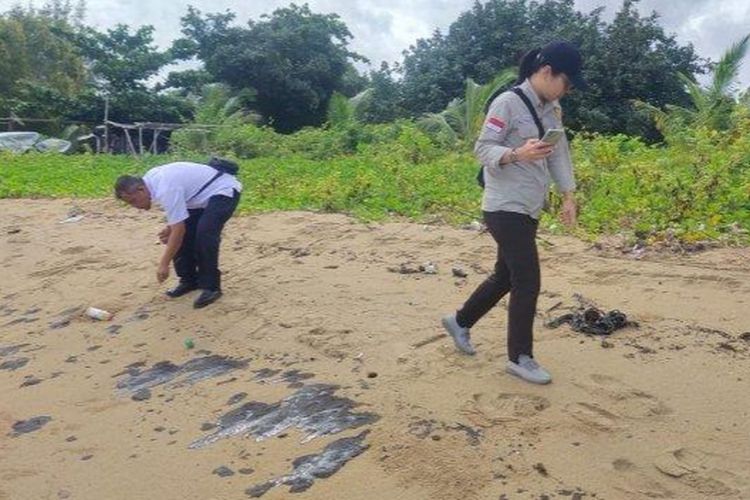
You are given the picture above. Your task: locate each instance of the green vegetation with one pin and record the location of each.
(396, 170)
(657, 155)
(696, 187)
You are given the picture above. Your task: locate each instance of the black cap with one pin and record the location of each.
(564, 57)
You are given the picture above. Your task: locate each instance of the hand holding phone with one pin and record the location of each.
(534, 150)
(553, 136)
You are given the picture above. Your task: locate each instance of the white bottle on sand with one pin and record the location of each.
(100, 314)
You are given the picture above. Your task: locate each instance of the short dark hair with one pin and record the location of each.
(127, 184)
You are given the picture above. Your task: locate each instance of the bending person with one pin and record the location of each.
(198, 200)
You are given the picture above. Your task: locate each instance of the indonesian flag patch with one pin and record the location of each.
(495, 124)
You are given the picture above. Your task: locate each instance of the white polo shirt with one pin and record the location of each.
(173, 186)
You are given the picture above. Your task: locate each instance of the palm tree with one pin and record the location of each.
(711, 105)
(343, 110)
(218, 104)
(463, 117)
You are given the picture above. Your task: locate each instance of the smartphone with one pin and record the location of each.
(553, 136)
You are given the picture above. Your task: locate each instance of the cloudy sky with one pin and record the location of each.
(382, 29)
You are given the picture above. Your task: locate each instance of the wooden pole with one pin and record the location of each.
(130, 141)
(155, 143)
(106, 127)
(140, 140)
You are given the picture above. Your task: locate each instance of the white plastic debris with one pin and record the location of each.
(429, 268)
(98, 314)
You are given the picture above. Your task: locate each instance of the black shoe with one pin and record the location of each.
(181, 289)
(206, 297)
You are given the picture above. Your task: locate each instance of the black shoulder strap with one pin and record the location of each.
(203, 188)
(534, 115)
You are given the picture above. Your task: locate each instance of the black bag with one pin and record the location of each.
(534, 115)
(224, 165)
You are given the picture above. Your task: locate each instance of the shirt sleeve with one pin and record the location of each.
(561, 166)
(491, 145)
(175, 206)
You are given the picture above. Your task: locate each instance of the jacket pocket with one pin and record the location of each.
(525, 130)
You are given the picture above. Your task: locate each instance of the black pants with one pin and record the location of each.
(197, 261)
(517, 272)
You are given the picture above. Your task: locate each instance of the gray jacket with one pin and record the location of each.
(522, 186)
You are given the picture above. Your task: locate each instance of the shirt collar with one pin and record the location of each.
(151, 184)
(528, 89)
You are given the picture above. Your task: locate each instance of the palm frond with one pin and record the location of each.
(435, 125)
(454, 115)
(726, 70)
(340, 111)
(231, 106)
(477, 97)
(361, 102)
(697, 94)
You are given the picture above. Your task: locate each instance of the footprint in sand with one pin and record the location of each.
(75, 249)
(592, 416)
(331, 343)
(632, 482)
(68, 267)
(622, 465)
(490, 410)
(706, 473)
(625, 401)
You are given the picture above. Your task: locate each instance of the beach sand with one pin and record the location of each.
(313, 308)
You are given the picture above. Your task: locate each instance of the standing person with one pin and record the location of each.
(516, 168)
(198, 200)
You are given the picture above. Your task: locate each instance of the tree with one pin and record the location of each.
(218, 105)
(130, 106)
(383, 103)
(187, 82)
(463, 117)
(634, 61)
(64, 12)
(710, 106)
(294, 59)
(483, 41)
(53, 66)
(120, 60)
(352, 82)
(41, 71)
(429, 80)
(630, 58)
(32, 51)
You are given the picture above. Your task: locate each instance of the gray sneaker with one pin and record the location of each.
(528, 369)
(461, 336)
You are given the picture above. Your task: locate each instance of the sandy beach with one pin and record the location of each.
(324, 369)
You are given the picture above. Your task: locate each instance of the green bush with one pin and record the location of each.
(248, 141)
(694, 187)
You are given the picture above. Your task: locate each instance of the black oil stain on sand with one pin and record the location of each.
(308, 468)
(164, 372)
(314, 409)
(31, 425)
